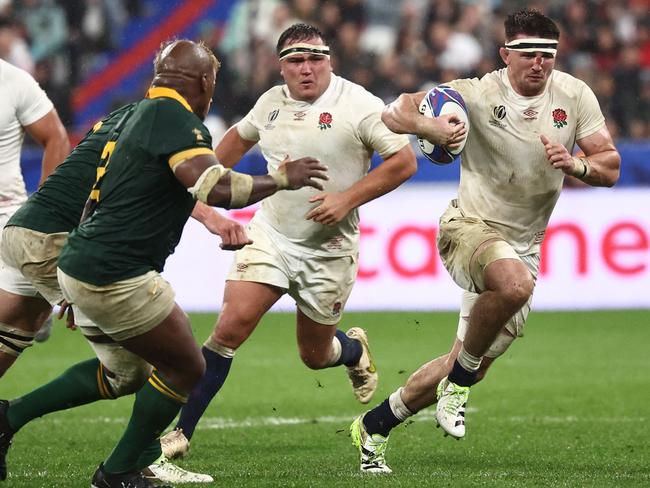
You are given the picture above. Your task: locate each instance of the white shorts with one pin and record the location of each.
(458, 240)
(514, 327)
(29, 262)
(13, 281)
(320, 285)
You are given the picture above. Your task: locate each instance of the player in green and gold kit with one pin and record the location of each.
(156, 164)
(44, 221)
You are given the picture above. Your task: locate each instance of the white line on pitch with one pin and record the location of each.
(344, 420)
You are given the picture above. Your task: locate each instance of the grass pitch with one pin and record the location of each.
(568, 405)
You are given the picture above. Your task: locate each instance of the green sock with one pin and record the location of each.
(150, 454)
(77, 386)
(156, 405)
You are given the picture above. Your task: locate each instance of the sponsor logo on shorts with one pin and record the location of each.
(335, 243)
(241, 267)
(539, 237)
(336, 309)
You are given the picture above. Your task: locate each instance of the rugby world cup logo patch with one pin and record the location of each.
(559, 118)
(498, 115)
(273, 114)
(325, 121)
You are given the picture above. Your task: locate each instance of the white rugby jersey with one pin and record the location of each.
(341, 129)
(506, 178)
(22, 102)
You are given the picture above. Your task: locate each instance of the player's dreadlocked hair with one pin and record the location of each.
(297, 33)
(532, 23)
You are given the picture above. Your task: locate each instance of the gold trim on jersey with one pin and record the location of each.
(108, 149)
(179, 157)
(97, 126)
(161, 91)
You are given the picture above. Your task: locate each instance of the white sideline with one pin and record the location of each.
(209, 423)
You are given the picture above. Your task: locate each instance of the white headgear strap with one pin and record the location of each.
(533, 45)
(304, 48)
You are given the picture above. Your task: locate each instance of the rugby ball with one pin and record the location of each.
(441, 100)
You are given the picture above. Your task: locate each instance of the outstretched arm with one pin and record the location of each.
(394, 171)
(209, 182)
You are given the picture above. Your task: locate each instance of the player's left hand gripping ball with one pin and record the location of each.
(442, 100)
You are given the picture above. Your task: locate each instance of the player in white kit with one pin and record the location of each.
(525, 120)
(305, 244)
(25, 108)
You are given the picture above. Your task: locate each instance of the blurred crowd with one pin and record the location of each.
(387, 46)
(61, 42)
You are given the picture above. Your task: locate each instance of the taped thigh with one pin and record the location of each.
(13, 341)
(486, 254)
(124, 371)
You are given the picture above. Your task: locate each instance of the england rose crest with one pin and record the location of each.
(325, 121)
(559, 118)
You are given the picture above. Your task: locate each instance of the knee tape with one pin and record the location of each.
(493, 251)
(124, 371)
(13, 341)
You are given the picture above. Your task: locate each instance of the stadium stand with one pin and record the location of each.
(93, 55)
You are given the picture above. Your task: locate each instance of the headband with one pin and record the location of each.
(533, 44)
(304, 48)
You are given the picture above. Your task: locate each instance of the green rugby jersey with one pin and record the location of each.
(58, 203)
(141, 208)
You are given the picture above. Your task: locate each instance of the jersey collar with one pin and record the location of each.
(161, 91)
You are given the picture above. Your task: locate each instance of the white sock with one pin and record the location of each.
(467, 361)
(397, 406)
(215, 347)
(335, 352)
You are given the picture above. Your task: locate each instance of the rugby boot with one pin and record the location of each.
(372, 448)
(162, 471)
(450, 410)
(130, 479)
(174, 444)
